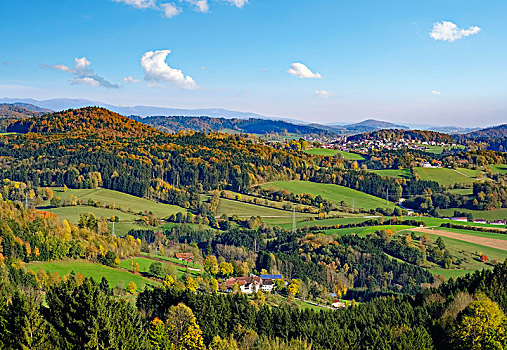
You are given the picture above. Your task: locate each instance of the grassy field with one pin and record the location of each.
(462, 191)
(449, 273)
(445, 176)
(398, 173)
(333, 193)
(173, 260)
(429, 221)
(127, 220)
(494, 235)
(88, 269)
(123, 200)
(499, 168)
(439, 149)
(257, 201)
(145, 263)
(231, 207)
(496, 214)
(334, 152)
(467, 251)
(301, 222)
(363, 231)
(72, 214)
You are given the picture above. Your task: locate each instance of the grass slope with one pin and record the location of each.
(121, 228)
(89, 269)
(363, 231)
(230, 207)
(496, 214)
(445, 176)
(334, 193)
(145, 263)
(334, 152)
(126, 201)
(398, 173)
(499, 168)
(467, 250)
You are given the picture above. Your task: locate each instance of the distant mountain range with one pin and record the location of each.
(217, 114)
(60, 104)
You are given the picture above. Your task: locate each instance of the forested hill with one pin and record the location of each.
(13, 111)
(251, 125)
(9, 113)
(88, 120)
(421, 135)
(119, 153)
(371, 125)
(489, 133)
(495, 137)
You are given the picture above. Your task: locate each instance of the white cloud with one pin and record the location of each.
(302, 71)
(142, 4)
(199, 5)
(323, 93)
(435, 92)
(82, 74)
(85, 81)
(170, 10)
(131, 80)
(238, 3)
(157, 70)
(63, 68)
(448, 31)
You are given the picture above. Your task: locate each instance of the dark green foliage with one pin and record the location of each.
(83, 316)
(156, 269)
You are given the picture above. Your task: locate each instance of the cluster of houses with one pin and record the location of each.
(366, 144)
(478, 221)
(251, 284)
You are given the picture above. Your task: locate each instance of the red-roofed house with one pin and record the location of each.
(185, 256)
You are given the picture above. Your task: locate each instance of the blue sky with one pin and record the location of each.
(354, 59)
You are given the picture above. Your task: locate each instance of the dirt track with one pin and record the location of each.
(488, 242)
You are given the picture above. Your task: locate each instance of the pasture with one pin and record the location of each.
(230, 207)
(333, 152)
(467, 251)
(122, 200)
(115, 276)
(445, 176)
(145, 263)
(334, 193)
(363, 231)
(495, 214)
(397, 173)
(72, 214)
(498, 168)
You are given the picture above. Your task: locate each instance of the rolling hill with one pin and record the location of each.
(10, 113)
(250, 125)
(90, 120)
(498, 131)
(372, 125)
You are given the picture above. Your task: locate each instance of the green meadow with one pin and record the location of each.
(334, 152)
(446, 177)
(398, 173)
(122, 200)
(334, 193)
(115, 276)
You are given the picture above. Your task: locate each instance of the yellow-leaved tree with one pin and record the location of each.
(179, 332)
(481, 325)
